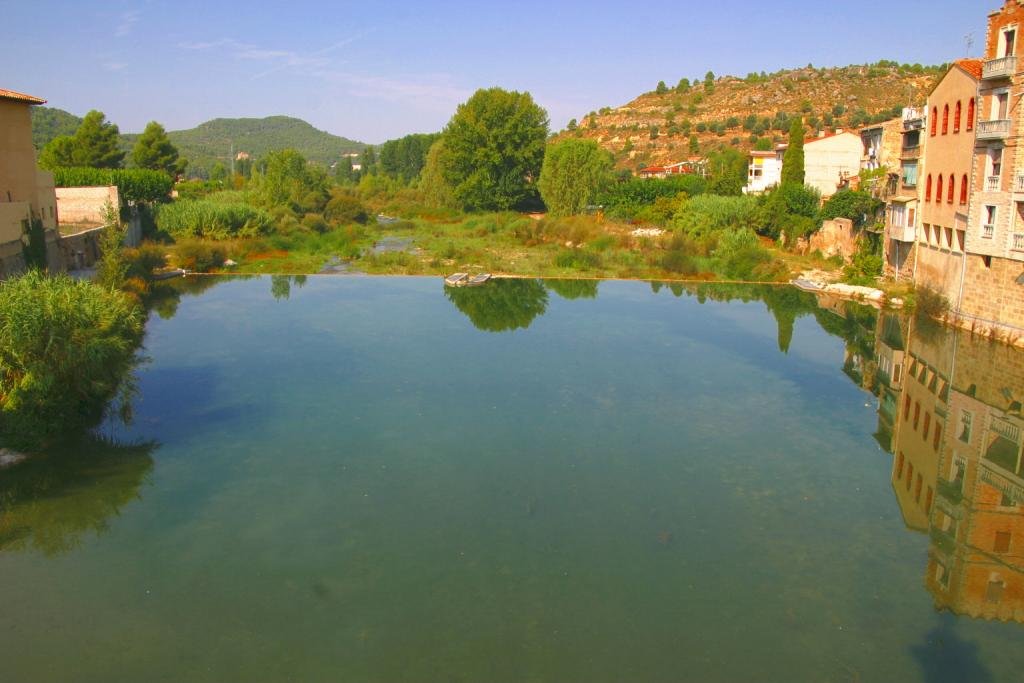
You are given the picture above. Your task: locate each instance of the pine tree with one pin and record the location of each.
(96, 142)
(154, 150)
(793, 160)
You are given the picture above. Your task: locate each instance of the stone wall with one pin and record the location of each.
(835, 237)
(993, 301)
(939, 269)
(85, 206)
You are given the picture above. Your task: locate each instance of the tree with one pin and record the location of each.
(94, 144)
(436, 190)
(368, 161)
(694, 144)
(574, 172)
(662, 88)
(404, 158)
(218, 173)
(343, 171)
(793, 160)
(112, 268)
(727, 172)
(683, 86)
(493, 149)
(287, 180)
(153, 150)
(857, 205)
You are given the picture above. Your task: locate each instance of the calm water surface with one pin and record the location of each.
(355, 479)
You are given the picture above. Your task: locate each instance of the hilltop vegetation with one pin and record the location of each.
(210, 142)
(696, 117)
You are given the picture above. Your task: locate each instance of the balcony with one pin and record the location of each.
(988, 231)
(1018, 241)
(998, 129)
(1004, 67)
(912, 152)
(1018, 183)
(992, 183)
(902, 233)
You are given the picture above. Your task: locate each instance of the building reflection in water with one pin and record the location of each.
(950, 413)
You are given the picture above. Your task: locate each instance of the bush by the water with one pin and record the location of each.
(212, 219)
(66, 350)
(133, 184)
(199, 256)
(709, 213)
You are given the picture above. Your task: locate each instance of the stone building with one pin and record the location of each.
(993, 291)
(26, 192)
(946, 177)
(902, 202)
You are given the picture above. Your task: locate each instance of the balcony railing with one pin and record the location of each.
(998, 129)
(1004, 67)
(1007, 430)
(902, 233)
(988, 231)
(1018, 183)
(1018, 241)
(911, 152)
(992, 183)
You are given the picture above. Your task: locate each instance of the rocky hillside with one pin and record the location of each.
(682, 120)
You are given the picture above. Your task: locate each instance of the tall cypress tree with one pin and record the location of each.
(793, 160)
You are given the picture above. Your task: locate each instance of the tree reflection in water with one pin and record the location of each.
(573, 289)
(502, 304)
(49, 502)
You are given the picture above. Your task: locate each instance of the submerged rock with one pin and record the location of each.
(9, 458)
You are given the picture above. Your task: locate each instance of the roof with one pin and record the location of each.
(971, 66)
(19, 97)
(808, 141)
(762, 153)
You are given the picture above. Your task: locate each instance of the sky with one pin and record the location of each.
(376, 70)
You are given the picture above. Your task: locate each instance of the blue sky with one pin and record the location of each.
(377, 70)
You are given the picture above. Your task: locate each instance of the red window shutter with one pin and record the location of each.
(963, 190)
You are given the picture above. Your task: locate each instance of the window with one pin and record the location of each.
(1001, 105)
(928, 189)
(910, 174)
(986, 260)
(910, 474)
(965, 426)
(956, 116)
(995, 159)
(899, 467)
(952, 185)
(928, 500)
(970, 114)
(995, 589)
(927, 426)
(961, 239)
(906, 407)
(945, 119)
(935, 120)
(917, 489)
(949, 238)
(963, 190)
(938, 190)
(917, 414)
(1002, 543)
(1009, 41)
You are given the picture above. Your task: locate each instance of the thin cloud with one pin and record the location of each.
(127, 23)
(114, 66)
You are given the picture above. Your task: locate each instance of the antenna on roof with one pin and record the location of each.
(969, 43)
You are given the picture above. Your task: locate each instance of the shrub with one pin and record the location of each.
(866, 265)
(930, 303)
(578, 259)
(66, 348)
(199, 256)
(144, 259)
(212, 219)
(315, 222)
(344, 208)
(857, 205)
(708, 213)
(133, 184)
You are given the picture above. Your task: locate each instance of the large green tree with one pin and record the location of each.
(574, 171)
(793, 160)
(405, 157)
(494, 148)
(154, 150)
(94, 144)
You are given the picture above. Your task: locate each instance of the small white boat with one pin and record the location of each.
(478, 280)
(456, 279)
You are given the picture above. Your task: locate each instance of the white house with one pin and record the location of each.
(764, 171)
(829, 160)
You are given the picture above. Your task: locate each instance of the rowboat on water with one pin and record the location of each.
(478, 280)
(456, 279)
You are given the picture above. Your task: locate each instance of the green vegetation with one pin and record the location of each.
(857, 205)
(49, 123)
(153, 150)
(213, 140)
(212, 219)
(793, 160)
(66, 349)
(405, 157)
(94, 144)
(493, 146)
(574, 171)
(134, 185)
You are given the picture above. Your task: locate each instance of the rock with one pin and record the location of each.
(9, 458)
(230, 264)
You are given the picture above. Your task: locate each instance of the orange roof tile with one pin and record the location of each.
(971, 66)
(17, 96)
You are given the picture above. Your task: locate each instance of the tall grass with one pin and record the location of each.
(212, 219)
(66, 348)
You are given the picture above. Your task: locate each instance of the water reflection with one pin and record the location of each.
(501, 305)
(573, 289)
(51, 501)
(950, 413)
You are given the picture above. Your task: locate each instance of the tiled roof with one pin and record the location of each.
(17, 96)
(971, 66)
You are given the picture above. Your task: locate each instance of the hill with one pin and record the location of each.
(209, 142)
(50, 122)
(212, 141)
(672, 123)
